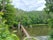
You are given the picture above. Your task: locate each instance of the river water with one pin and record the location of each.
(42, 37)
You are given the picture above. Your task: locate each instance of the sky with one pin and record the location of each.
(29, 5)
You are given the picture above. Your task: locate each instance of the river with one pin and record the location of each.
(42, 37)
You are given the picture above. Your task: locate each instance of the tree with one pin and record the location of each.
(4, 32)
(9, 12)
(31, 17)
(49, 8)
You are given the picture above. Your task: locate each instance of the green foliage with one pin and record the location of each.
(4, 32)
(50, 23)
(9, 13)
(7, 18)
(49, 6)
(32, 17)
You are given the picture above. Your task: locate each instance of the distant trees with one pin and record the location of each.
(31, 17)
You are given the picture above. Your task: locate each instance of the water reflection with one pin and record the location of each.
(42, 37)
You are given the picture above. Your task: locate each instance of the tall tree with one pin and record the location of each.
(4, 32)
(49, 8)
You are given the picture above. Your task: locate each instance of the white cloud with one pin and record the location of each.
(41, 8)
(28, 5)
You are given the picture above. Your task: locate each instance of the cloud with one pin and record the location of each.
(29, 5)
(41, 8)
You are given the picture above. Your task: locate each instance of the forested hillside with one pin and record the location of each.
(32, 17)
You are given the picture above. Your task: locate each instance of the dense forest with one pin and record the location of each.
(32, 17)
(11, 16)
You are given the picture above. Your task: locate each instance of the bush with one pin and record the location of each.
(51, 27)
(4, 32)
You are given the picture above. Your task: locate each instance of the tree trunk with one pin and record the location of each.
(3, 6)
